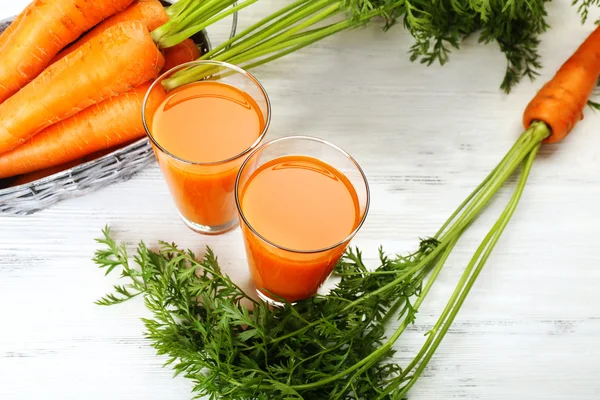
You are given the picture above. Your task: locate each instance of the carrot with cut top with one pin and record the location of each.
(560, 102)
(105, 125)
(121, 58)
(150, 12)
(45, 28)
(182, 53)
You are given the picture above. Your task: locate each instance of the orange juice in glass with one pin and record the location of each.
(201, 133)
(301, 200)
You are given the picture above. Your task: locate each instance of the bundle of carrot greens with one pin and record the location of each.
(332, 346)
(438, 27)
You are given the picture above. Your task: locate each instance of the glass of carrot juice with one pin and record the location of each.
(301, 200)
(203, 118)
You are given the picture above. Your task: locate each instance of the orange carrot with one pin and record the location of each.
(43, 173)
(150, 12)
(561, 101)
(185, 51)
(44, 29)
(11, 28)
(121, 58)
(102, 126)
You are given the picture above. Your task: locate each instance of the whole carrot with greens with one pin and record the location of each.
(107, 124)
(333, 346)
(150, 12)
(43, 29)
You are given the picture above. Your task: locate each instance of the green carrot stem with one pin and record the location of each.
(174, 23)
(215, 8)
(252, 28)
(174, 10)
(296, 42)
(282, 37)
(533, 138)
(292, 38)
(535, 134)
(458, 227)
(465, 283)
(538, 133)
(310, 37)
(480, 258)
(184, 32)
(376, 355)
(273, 28)
(493, 173)
(276, 28)
(280, 33)
(192, 74)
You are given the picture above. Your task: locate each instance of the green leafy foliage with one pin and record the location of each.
(233, 347)
(439, 27)
(583, 7)
(332, 346)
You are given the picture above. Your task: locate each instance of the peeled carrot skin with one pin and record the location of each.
(120, 59)
(561, 101)
(103, 126)
(182, 53)
(150, 12)
(45, 28)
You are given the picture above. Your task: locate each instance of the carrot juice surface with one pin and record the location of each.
(302, 206)
(207, 122)
(202, 123)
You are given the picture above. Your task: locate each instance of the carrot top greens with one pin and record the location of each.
(438, 27)
(333, 346)
(339, 345)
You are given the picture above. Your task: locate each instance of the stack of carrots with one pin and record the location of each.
(73, 76)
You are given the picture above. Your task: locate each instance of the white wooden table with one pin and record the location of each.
(425, 137)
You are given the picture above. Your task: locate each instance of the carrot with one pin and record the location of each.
(101, 126)
(560, 102)
(121, 58)
(182, 53)
(149, 12)
(43, 173)
(45, 28)
(11, 28)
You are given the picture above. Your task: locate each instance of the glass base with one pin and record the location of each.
(210, 230)
(269, 300)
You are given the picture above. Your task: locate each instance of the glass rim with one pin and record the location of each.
(221, 64)
(313, 139)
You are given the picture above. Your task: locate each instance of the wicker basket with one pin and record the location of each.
(117, 166)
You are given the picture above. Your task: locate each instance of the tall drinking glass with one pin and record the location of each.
(301, 200)
(203, 118)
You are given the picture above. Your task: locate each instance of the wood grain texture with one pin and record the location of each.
(425, 136)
